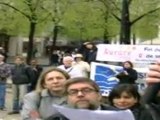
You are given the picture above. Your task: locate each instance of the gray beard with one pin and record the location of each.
(90, 107)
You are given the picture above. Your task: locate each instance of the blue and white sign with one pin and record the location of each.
(104, 75)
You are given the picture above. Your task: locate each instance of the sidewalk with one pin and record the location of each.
(4, 114)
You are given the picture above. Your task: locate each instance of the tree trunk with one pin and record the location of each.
(31, 41)
(54, 39)
(106, 34)
(55, 35)
(134, 39)
(106, 37)
(125, 24)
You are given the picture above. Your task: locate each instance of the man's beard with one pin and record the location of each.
(89, 107)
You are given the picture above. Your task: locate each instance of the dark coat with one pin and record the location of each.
(22, 74)
(36, 73)
(141, 113)
(151, 102)
(89, 55)
(128, 79)
(61, 117)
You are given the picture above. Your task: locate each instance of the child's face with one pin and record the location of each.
(124, 101)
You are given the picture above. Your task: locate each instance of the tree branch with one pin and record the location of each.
(143, 15)
(53, 17)
(43, 19)
(16, 9)
(118, 18)
(37, 4)
(49, 12)
(129, 2)
(29, 5)
(106, 5)
(113, 2)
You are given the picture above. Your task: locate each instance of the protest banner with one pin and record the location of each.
(81, 114)
(134, 53)
(105, 76)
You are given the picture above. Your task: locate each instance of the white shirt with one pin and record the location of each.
(83, 66)
(72, 71)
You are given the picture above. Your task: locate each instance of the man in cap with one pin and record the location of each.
(82, 65)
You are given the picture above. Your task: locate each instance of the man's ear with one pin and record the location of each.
(99, 97)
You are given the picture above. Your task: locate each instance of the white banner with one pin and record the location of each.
(82, 114)
(134, 53)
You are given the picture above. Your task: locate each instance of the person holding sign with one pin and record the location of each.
(128, 75)
(126, 96)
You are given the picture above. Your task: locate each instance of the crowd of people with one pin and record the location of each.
(35, 89)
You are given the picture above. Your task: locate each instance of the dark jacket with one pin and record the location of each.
(36, 73)
(150, 101)
(5, 72)
(130, 78)
(61, 117)
(141, 113)
(21, 74)
(89, 55)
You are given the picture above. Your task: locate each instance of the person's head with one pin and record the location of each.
(34, 62)
(82, 93)
(2, 50)
(19, 60)
(89, 45)
(124, 96)
(1, 58)
(78, 57)
(67, 61)
(52, 79)
(128, 64)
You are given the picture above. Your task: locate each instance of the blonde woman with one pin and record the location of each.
(49, 91)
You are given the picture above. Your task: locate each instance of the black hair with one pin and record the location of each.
(129, 62)
(119, 89)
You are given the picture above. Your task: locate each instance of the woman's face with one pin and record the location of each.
(125, 101)
(54, 81)
(127, 65)
(89, 46)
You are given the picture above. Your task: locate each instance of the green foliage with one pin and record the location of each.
(78, 19)
(145, 29)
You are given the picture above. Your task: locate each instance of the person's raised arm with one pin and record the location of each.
(153, 81)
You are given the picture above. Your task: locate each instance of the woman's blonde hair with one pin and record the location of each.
(41, 80)
(20, 57)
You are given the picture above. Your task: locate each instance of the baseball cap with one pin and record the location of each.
(78, 56)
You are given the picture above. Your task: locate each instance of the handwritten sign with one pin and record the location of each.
(134, 53)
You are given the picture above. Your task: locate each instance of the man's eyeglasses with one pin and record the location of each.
(84, 91)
